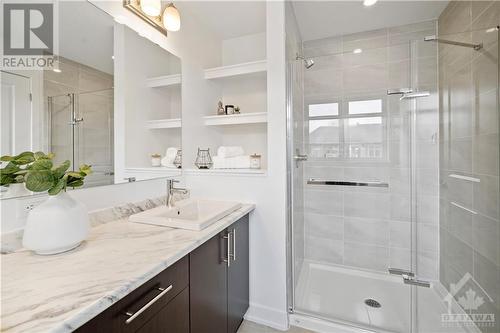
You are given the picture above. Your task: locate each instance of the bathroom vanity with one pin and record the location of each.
(131, 277)
(209, 285)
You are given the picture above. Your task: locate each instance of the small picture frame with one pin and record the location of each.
(229, 109)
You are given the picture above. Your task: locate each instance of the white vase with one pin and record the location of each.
(57, 225)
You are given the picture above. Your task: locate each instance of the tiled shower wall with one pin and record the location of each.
(469, 146)
(370, 228)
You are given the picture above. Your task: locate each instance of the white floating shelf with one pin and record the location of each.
(164, 123)
(236, 119)
(164, 81)
(236, 70)
(226, 172)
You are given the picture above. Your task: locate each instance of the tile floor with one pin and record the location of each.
(251, 327)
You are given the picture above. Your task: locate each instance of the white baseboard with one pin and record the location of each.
(267, 316)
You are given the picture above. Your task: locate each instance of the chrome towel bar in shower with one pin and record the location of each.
(313, 181)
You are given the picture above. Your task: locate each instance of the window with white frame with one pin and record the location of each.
(352, 129)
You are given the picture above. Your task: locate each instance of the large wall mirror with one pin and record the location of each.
(112, 101)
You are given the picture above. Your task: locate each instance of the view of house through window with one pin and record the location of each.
(347, 130)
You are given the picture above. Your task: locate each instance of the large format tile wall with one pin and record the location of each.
(370, 228)
(295, 79)
(469, 146)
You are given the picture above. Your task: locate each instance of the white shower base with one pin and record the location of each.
(338, 294)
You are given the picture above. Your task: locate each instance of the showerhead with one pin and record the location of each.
(308, 63)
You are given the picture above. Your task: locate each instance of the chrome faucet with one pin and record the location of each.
(171, 190)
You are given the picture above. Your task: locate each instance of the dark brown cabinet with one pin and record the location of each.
(219, 281)
(172, 318)
(238, 276)
(207, 291)
(161, 305)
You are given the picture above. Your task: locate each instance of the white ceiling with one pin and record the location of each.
(227, 19)
(321, 19)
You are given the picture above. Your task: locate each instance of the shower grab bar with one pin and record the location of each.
(313, 181)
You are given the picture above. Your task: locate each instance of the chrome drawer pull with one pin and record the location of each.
(148, 304)
(234, 244)
(228, 249)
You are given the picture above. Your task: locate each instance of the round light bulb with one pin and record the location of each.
(151, 7)
(369, 3)
(171, 18)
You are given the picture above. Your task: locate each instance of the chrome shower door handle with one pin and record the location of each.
(409, 277)
(298, 157)
(399, 271)
(416, 282)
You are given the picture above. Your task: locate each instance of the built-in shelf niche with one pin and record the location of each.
(236, 70)
(164, 81)
(164, 123)
(236, 119)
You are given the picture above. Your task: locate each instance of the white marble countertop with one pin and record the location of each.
(60, 293)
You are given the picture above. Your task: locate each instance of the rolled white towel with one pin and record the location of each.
(171, 153)
(230, 151)
(167, 162)
(237, 162)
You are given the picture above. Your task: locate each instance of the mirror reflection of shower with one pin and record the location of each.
(81, 131)
(308, 62)
(79, 104)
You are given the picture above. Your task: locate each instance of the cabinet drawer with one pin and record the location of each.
(113, 320)
(172, 318)
(142, 304)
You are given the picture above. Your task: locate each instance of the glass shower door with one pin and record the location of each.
(94, 135)
(465, 293)
(81, 131)
(61, 132)
(351, 199)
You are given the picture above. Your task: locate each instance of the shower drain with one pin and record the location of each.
(372, 303)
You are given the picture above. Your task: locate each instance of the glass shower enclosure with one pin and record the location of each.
(373, 151)
(81, 131)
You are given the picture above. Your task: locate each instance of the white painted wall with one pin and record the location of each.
(244, 49)
(268, 192)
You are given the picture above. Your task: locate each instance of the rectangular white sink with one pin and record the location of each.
(191, 214)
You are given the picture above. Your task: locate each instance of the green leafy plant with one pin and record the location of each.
(16, 166)
(39, 174)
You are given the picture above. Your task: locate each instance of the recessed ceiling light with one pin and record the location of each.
(113, 57)
(357, 51)
(369, 3)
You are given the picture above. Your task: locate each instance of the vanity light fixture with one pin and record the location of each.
(162, 18)
(369, 3)
(151, 7)
(171, 18)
